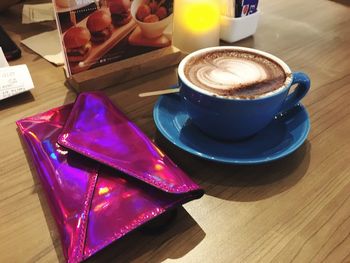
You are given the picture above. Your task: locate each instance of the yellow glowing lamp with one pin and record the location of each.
(201, 17)
(196, 24)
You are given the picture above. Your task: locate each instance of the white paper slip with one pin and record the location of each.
(37, 13)
(3, 61)
(47, 45)
(14, 80)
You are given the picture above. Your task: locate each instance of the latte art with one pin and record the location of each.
(224, 73)
(236, 74)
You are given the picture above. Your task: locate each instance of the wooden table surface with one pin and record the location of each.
(293, 210)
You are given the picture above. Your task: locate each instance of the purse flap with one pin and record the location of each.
(96, 129)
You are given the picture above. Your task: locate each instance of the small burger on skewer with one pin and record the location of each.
(120, 11)
(77, 43)
(100, 26)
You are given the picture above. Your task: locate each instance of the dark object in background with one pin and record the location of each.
(4, 4)
(10, 49)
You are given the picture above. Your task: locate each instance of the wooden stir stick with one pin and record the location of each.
(159, 92)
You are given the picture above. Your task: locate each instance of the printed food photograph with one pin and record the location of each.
(100, 32)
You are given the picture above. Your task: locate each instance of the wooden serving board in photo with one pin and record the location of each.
(99, 49)
(137, 39)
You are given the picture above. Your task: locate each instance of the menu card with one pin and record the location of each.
(14, 79)
(3, 61)
(99, 32)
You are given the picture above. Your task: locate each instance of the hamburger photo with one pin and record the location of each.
(77, 43)
(120, 11)
(100, 26)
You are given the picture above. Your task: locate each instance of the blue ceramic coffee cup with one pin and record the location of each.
(228, 118)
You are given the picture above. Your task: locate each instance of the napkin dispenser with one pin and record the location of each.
(233, 29)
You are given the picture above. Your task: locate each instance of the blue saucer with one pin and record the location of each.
(281, 137)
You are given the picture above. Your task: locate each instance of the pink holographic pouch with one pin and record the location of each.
(102, 176)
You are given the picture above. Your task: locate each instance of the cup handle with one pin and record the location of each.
(300, 91)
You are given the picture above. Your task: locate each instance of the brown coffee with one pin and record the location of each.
(236, 74)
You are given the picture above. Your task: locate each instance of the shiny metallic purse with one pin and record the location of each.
(102, 176)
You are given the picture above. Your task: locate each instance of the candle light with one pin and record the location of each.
(196, 24)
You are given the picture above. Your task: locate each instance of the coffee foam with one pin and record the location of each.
(232, 73)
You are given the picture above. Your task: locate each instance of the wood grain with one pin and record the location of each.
(293, 210)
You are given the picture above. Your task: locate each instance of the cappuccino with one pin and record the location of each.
(235, 74)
